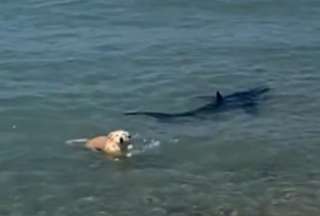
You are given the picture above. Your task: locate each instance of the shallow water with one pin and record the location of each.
(69, 69)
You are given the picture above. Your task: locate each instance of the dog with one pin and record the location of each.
(115, 144)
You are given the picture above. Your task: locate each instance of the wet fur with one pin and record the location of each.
(114, 144)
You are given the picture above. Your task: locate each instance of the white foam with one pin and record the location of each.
(152, 144)
(74, 141)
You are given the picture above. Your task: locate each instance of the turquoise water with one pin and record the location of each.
(69, 69)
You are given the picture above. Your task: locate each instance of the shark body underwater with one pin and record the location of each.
(247, 100)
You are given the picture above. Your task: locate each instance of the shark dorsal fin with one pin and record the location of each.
(219, 97)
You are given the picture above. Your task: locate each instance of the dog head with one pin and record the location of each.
(118, 142)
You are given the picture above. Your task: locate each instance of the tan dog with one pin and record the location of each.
(115, 144)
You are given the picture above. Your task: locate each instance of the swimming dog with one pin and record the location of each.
(115, 144)
(246, 100)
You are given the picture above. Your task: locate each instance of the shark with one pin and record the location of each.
(247, 100)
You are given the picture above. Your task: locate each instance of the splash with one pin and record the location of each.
(73, 142)
(145, 146)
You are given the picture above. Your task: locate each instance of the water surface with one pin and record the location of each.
(69, 69)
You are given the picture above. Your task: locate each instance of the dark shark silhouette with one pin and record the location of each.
(247, 100)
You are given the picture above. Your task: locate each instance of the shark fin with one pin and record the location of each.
(219, 97)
